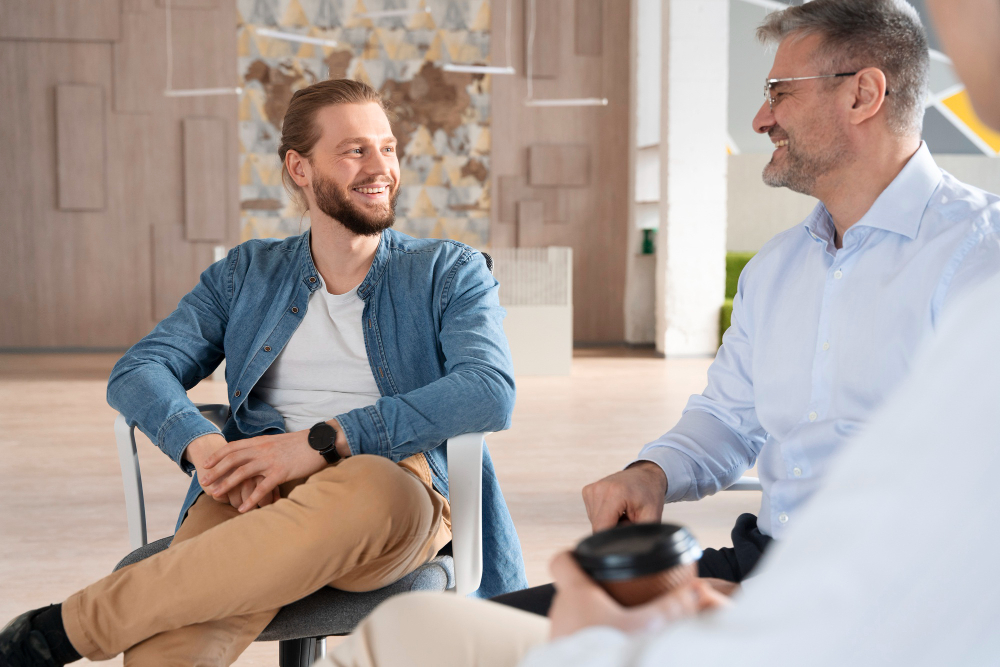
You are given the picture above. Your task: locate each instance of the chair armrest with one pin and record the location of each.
(465, 483)
(128, 458)
(745, 484)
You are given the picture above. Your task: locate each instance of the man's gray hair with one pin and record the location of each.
(855, 34)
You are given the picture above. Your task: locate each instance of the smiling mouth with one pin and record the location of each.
(372, 189)
(780, 143)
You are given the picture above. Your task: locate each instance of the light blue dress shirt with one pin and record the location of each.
(820, 336)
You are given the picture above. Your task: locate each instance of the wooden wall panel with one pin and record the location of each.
(589, 35)
(140, 62)
(565, 165)
(205, 175)
(530, 222)
(204, 58)
(515, 188)
(177, 264)
(545, 64)
(67, 278)
(85, 278)
(594, 215)
(73, 20)
(80, 147)
(189, 4)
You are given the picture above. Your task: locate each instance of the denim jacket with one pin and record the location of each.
(432, 326)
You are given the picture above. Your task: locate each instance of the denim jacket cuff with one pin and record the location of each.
(365, 432)
(179, 431)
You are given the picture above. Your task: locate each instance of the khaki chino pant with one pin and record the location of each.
(357, 526)
(428, 630)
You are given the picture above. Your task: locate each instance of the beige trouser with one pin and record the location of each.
(428, 630)
(357, 526)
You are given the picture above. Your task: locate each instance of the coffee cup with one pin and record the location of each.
(635, 563)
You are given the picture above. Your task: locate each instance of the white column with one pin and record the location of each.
(690, 264)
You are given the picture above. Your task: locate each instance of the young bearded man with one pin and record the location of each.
(353, 351)
(829, 313)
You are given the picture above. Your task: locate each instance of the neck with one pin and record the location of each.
(849, 192)
(341, 257)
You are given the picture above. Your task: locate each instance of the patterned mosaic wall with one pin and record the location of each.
(442, 118)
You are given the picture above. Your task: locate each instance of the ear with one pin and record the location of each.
(298, 168)
(869, 92)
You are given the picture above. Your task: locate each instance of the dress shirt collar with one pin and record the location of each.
(898, 209)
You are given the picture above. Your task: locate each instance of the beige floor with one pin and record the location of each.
(63, 519)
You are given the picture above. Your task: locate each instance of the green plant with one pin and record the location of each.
(725, 317)
(735, 261)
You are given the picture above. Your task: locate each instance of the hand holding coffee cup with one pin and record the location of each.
(639, 562)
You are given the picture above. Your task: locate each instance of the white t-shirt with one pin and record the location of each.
(323, 371)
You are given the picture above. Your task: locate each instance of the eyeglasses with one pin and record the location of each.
(768, 83)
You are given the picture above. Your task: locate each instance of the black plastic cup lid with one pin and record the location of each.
(636, 550)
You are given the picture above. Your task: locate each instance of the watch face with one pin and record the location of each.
(322, 436)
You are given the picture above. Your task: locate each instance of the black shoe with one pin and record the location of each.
(23, 644)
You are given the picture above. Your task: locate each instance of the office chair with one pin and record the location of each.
(301, 628)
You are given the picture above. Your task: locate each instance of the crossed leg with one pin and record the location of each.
(358, 526)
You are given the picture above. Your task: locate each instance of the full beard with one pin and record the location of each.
(362, 221)
(799, 170)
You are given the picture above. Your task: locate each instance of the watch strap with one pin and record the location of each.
(323, 438)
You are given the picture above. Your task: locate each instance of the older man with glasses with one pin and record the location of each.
(829, 313)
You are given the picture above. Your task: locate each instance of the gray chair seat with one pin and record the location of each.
(329, 612)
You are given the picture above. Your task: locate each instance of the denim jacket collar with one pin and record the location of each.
(310, 274)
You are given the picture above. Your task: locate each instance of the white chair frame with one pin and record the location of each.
(745, 483)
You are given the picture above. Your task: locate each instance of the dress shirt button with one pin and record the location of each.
(294, 309)
(838, 274)
(236, 393)
(826, 346)
(797, 471)
(813, 416)
(783, 518)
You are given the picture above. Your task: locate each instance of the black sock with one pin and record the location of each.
(49, 623)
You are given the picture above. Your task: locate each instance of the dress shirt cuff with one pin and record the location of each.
(180, 431)
(674, 465)
(700, 456)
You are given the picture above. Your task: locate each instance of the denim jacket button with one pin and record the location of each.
(237, 393)
(294, 309)
(312, 279)
(267, 348)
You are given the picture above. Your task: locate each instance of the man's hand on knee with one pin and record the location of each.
(264, 462)
(198, 452)
(635, 494)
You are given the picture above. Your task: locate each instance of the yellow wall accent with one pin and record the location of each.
(294, 15)
(423, 207)
(422, 20)
(961, 106)
(482, 22)
(422, 142)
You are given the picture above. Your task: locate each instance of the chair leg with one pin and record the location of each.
(301, 652)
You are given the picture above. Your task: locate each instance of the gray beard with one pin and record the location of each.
(800, 172)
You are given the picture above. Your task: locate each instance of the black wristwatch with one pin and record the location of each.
(323, 438)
